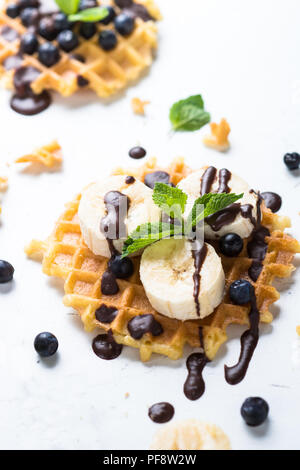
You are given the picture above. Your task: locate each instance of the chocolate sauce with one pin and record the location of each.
(199, 254)
(142, 324)
(105, 314)
(272, 200)
(161, 412)
(194, 386)
(105, 346)
(207, 180)
(257, 249)
(9, 34)
(137, 152)
(138, 11)
(223, 217)
(114, 222)
(224, 177)
(81, 81)
(78, 57)
(249, 339)
(246, 212)
(24, 101)
(156, 177)
(12, 62)
(129, 179)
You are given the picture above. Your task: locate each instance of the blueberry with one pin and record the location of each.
(121, 267)
(84, 4)
(13, 10)
(292, 160)
(111, 16)
(241, 292)
(61, 22)
(107, 40)
(87, 30)
(255, 411)
(48, 54)
(123, 3)
(29, 16)
(6, 272)
(45, 344)
(124, 24)
(47, 29)
(67, 40)
(29, 43)
(28, 3)
(231, 244)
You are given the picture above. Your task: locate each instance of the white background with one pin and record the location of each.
(244, 59)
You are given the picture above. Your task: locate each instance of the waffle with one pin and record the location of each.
(107, 72)
(48, 156)
(65, 255)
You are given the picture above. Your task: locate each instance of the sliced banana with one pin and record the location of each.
(92, 209)
(190, 435)
(240, 222)
(166, 271)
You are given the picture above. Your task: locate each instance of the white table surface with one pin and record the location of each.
(244, 59)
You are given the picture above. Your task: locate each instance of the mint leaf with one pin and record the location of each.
(212, 203)
(171, 200)
(68, 6)
(146, 234)
(89, 15)
(189, 114)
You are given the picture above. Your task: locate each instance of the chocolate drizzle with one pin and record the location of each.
(142, 324)
(161, 412)
(224, 177)
(272, 200)
(199, 253)
(24, 101)
(249, 339)
(156, 177)
(194, 385)
(207, 180)
(223, 217)
(257, 249)
(105, 314)
(105, 347)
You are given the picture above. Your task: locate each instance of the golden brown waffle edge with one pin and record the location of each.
(66, 256)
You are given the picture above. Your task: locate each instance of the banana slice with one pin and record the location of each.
(240, 218)
(92, 210)
(166, 271)
(190, 435)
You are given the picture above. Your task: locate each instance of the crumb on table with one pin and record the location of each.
(49, 156)
(138, 106)
(218, 139)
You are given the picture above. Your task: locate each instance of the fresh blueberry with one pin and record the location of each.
(29, 16)
(111, 16)
(123, 3)
(13, 10)
(121, 267)
(45, 344)
(47, 29)
(124, 24)
(28, 3)
(84, 4)
(241, 292)
(231, 244)
(87, 30)
(255, 411)
(6, 271)
(61, 22)
(67, 40)
(292, 160)
(107, 40)
(48, 54)
(29, 43)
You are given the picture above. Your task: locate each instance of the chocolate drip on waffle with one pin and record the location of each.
(194, 386)
(24, 101)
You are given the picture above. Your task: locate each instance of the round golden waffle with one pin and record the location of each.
(107, 72)
(65, 255)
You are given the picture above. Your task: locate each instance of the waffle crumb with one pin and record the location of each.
(190, 435)
(49, 156)
(138, 106)
(218, 139)
(298, 330)
(3, 183)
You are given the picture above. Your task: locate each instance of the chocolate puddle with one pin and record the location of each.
(161, 412)
(105, 347)
(194, 386)
(272, 200)
(249, 339)
(106, 314)
(156, 177)
(199, 254)
(142, 324)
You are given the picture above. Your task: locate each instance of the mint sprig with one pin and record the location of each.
(89, 15)
(68, 6)
(189, 114)
(173, 201)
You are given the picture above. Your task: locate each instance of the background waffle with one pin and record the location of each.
(65, 255)
(106, 72)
